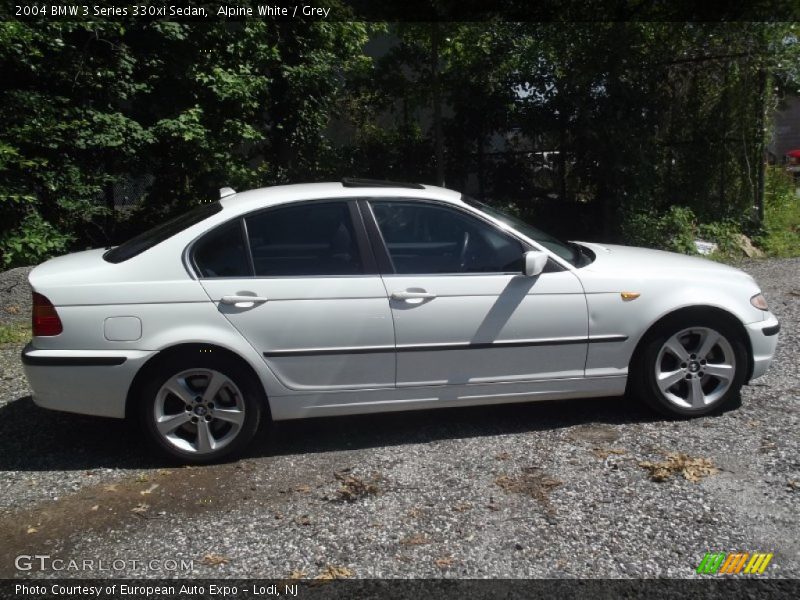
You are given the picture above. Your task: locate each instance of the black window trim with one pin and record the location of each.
(382, 252)
(362, 241)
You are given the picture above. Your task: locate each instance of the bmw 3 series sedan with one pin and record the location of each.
(363, 296)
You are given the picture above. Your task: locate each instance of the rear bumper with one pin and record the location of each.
(763, 340)
(89, 382)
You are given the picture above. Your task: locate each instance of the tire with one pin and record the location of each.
(690, 367)
(199, 425)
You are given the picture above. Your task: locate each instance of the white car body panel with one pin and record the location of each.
(578, 333)
(316, 314)
(496, 311)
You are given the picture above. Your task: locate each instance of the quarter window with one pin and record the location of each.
(309, 239)
(222, 252)
(425, 238)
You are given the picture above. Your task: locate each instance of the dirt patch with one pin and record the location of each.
(531, 482)
(186, 490)
(596, 434)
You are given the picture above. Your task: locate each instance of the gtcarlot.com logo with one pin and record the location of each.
(733, 563)
(44, 562)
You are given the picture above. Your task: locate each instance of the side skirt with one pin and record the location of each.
(417, 398)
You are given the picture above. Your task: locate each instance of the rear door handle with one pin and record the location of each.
(412, 295)
(240, 300)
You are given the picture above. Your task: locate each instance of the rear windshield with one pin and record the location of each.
(159, 233)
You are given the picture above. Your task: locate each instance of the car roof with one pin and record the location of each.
(268, 196)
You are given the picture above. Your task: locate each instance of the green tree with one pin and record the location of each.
(194, 106)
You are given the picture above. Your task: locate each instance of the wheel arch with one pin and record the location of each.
(696, 311)
(182, 350)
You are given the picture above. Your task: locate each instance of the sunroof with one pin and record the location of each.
(355, 182)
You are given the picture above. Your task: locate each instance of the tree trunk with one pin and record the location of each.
(437, 105)
(763, 82)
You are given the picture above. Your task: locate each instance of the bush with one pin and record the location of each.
(673, 230)
(726, 234)
(31, 242)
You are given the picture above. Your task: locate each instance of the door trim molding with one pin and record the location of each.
(600, 339)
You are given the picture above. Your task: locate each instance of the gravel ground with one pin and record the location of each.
(538, 490)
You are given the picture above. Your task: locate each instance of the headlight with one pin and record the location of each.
(759, 302)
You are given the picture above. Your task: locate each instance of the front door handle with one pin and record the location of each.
(242, 300)
(412, 295)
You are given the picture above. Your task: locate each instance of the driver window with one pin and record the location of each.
(426, 238)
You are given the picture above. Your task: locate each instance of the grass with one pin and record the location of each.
(15, 333)
(781, 236)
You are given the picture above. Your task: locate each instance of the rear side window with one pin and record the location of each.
(309, 239)
(223, 253)
(159, 233)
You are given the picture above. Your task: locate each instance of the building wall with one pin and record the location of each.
(786, 134)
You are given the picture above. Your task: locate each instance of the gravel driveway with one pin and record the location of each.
(538, 490)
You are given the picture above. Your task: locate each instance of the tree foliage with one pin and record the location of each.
(600, 126)
(191, 106)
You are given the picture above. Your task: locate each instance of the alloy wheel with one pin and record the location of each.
(695, 367)
(199, 411)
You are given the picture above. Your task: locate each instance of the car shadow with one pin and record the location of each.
(35, 439)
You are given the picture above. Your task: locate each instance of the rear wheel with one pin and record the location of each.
(691, 369)
(199, 410)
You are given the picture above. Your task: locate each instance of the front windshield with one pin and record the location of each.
(569, 252)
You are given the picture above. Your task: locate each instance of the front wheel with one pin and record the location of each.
(200, 410)
(691, 369)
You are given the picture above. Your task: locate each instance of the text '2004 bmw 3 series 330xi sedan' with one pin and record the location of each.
(363, 296)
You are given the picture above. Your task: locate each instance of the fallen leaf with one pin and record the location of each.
(444, 562)
(303, 520)
(502, 456)
(32, 529)
(352, 487)
(415, 512)
(604, 453)
(164, 472)
(333, 572)
(95, 507)
(462, 507)
(142, 478)
(111, 487)
(294, 575)
(149, 490)
(212, 560)
(692, 469)
(141, 508)
(418, 539)
(303, 489)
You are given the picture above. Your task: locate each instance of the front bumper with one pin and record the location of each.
(763, 340)
(89, 382)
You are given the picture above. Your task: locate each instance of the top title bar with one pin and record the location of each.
(407, 10)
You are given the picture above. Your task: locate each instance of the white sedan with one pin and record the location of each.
(362, 296)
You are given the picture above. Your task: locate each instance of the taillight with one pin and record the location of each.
(45, 317)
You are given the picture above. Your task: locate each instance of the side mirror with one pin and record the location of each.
(535, 262)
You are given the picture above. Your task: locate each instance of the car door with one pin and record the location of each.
(299, 282)
(463, 311)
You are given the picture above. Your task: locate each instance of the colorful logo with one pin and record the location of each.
(732, 563)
